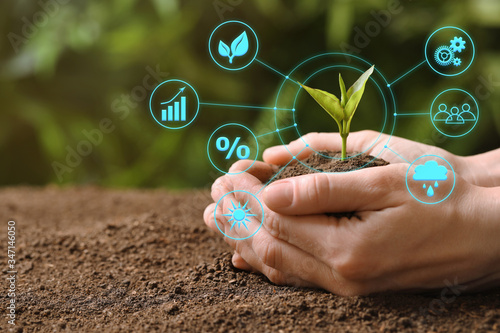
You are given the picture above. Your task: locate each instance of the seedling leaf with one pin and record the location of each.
(329, 102)
(360, 83)
(356, 92)
(343, 91)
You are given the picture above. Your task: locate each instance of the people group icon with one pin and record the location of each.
(455, 116)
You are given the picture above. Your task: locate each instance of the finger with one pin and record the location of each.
(284, 263)
(229, 183)
(242, 244)
(303, 231)
(260, 170)
(240, 263)
(315, 234)
(312, 233)
(363, 190)
(240, 213)
(280, 155)
(209, 217)
(323, 237)
(248, 254)
(270, 266)
(293, 263)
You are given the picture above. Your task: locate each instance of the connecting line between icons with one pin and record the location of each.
(405, 74)
(411, 114)
(277, 131)
(281, 170)
(276, 71)
(401, 157)
(245, 107)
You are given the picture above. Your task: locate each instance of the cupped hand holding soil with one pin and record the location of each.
(392, 243)
(364, 141)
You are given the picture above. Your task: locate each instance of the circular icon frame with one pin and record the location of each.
(210, 141)
(432, 115)
(253, 197)
(447, 196)
(187, 85)
(429, 62)
(235, 68)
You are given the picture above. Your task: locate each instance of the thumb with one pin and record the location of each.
(363, 190)
(302, 147)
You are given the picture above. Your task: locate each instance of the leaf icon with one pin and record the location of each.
(224, 49)
(239, 47)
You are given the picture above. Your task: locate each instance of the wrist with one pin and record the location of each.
(487, 221)
(482, 170)
(493, 197)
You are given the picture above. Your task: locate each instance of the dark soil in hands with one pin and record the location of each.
(93, 260)
(321, 163)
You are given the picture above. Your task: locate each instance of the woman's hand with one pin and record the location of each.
(364, 140)
(393, 243)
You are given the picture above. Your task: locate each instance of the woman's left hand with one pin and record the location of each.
(393, 243)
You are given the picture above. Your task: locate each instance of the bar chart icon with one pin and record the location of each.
(176, 111)
(174, 104)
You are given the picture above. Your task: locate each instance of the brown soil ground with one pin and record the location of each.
(97, 260)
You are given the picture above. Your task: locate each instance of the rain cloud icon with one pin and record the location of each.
(430, 171)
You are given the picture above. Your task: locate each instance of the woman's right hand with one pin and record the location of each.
(384, 146)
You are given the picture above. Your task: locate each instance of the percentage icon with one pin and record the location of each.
(223, 144)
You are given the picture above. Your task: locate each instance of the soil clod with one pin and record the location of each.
(329, 161)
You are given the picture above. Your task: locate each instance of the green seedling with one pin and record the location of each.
(342, 110)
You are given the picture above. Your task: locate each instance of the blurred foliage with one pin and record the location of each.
(65, 77)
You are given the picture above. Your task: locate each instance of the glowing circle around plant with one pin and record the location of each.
(355, 69)
(388, 98)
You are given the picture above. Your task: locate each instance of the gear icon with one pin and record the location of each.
(457, 44)
(444, 55)
(457, 62)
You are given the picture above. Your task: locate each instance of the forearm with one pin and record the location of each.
(484, 169)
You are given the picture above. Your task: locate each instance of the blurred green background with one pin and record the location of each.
(68, 73)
